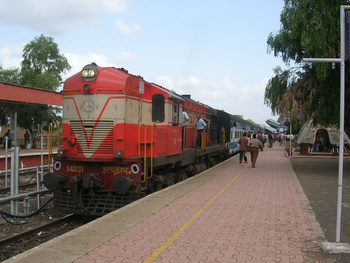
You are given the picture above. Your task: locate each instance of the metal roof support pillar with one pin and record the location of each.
(13, 126)
(14, 179)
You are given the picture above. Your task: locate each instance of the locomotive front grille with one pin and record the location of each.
(94, 137)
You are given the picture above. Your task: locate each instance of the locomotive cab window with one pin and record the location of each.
(158, 108)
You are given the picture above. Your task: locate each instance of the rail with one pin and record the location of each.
(145, 151)
(184, 137)
(50, 145)
(204, 140)
(153, 125)
(59, 134)
(14, 194)
(23, 196)
(223, 135)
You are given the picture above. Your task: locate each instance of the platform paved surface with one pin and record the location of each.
(229, 213)
(28, 152)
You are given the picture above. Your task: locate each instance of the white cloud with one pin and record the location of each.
(166, 82)
(58, 16)
(225, 94)
(113, 6)
(125, 56)
(77, 62)
(11, 56)
(126, 29)
(190, 81)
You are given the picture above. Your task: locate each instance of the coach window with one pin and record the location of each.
(158, 106)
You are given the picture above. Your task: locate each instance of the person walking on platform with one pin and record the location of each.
(243, 147)
(262, 140)
(254, 146)
(270, 137)
(200, 124)
(26, 139)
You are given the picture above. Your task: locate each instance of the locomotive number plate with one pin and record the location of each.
(75, 169)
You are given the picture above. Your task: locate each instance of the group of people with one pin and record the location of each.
(27, 139)
(8, 138)
(253, 145)
(250, 142)
(201, 127)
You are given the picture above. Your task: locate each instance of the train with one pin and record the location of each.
(124, 138)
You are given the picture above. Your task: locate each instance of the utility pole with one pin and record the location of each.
(338, 247)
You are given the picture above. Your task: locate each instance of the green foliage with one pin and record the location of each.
(41, 67)
(9, 76)
(250, 120)
(276, 88)
(309, 29)
(42, 64)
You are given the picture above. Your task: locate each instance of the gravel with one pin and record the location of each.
(16, 226)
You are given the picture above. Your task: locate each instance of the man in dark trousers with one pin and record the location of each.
(200, 124)
(26, 139)
(243, 147)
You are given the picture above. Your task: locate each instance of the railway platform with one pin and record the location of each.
(27, 157)
(229, 213)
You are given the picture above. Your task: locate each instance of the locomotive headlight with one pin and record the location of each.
(89, 72)
(118, 154)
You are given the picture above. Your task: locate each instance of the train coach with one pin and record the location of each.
(123, 138)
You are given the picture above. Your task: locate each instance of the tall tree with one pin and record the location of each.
(309, 28)
(9, 76)
(41, 67)
(43, 64)
(276, 88)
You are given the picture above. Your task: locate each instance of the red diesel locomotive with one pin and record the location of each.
(122, 138)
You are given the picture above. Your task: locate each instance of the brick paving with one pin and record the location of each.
(243, 214)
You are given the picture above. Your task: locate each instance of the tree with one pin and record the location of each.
(9, 76)
(309, 28)
(42, 64)
(275, 89)
(41, 67)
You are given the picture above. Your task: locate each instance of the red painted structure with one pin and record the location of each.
(17, 94)
(121, 136)
(12, 93)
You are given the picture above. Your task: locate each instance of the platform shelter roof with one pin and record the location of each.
(307, 133)
(12, 93)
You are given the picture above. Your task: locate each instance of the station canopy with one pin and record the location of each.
(17, 94)
(307, 134)
(274, 124)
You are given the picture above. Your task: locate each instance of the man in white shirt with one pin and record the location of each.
(201, 125)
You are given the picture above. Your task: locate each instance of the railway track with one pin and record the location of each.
(27, 180)
(20, 187)
(17, 238)
(18, 243)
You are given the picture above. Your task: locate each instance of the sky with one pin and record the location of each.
(214, 50)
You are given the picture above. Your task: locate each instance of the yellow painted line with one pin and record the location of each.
(183, 228)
